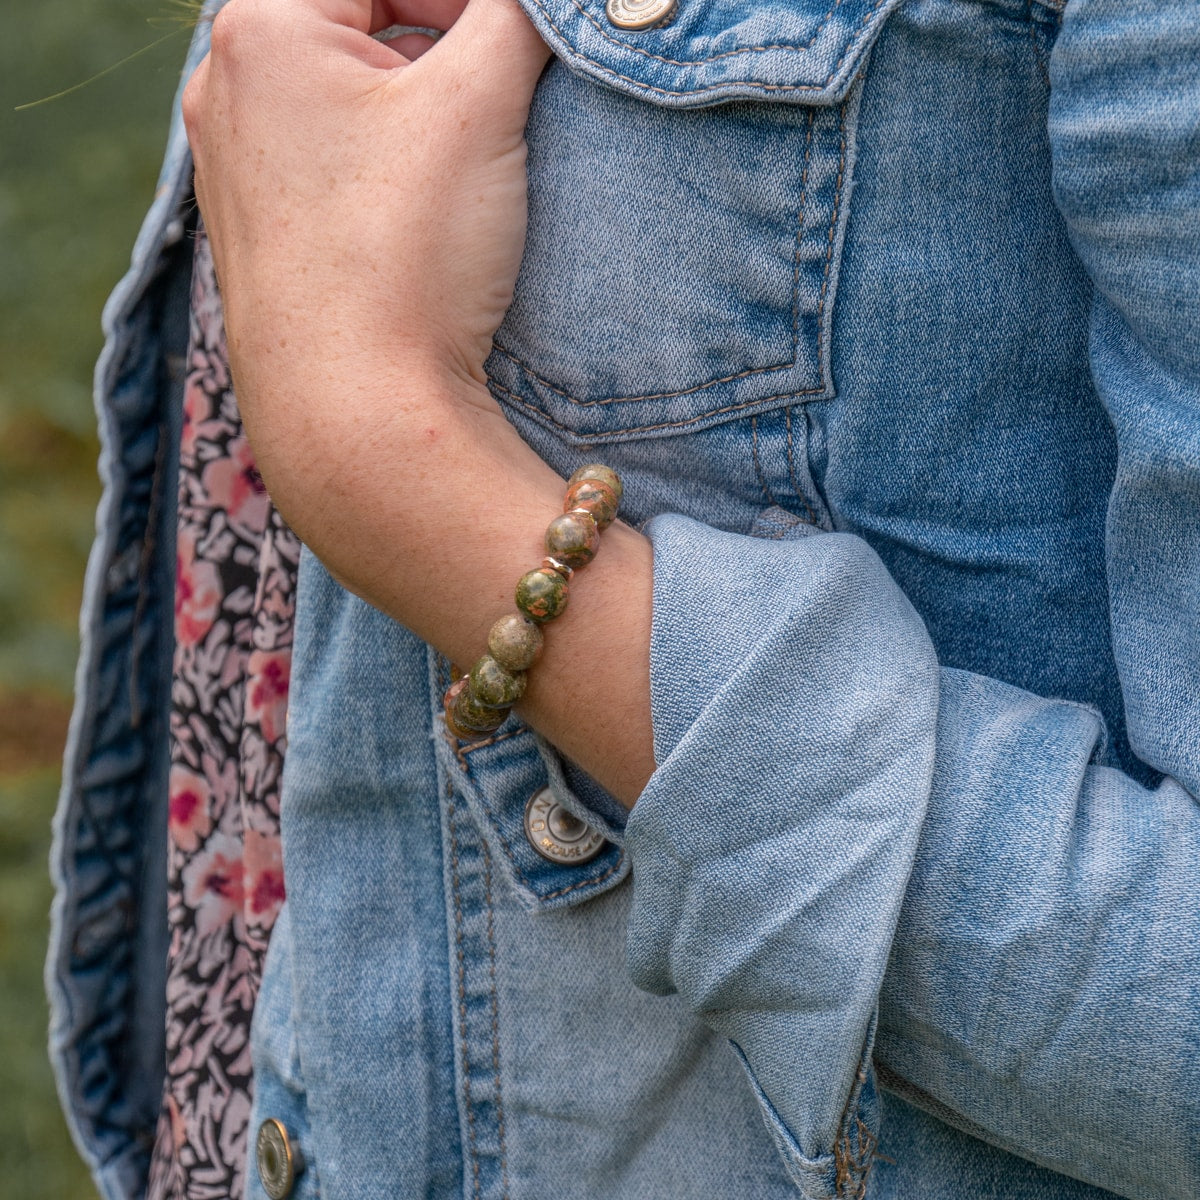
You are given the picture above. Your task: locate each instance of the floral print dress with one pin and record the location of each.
(234, 604)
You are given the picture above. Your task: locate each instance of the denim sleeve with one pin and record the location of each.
(849, 852)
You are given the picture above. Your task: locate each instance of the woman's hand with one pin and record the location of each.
(363, 194)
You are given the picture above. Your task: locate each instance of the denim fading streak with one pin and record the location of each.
(917, 871)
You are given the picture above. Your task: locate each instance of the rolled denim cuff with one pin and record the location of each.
(794, 693)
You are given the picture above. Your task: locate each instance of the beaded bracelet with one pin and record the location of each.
(480, 701)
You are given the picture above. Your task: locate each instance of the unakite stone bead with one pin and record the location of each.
(466, 713)
(457, 698)
(469, 713)
(597, 498)
(573, 539)
(599, 473)
(542, 594)
(493, 686)
(515, 642)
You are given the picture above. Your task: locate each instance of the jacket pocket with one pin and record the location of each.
(555, 844)
(688, 188)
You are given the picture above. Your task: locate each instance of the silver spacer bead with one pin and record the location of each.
(561, 567)
(583, 512)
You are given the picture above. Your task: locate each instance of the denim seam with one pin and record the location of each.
(687, 391)
(712, 412)
(461, 752)
(491, 930)
(145, 563)
(460, 955)
(791, 462)
(854, 1169)
(791, 47)
(1038, 56)
(837, 206)
(808, 138)
(725, 83)
(762, 483)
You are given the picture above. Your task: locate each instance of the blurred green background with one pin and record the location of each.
(76, 175)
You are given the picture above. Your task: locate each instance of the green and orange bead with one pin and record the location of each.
(482, 717)
(515, 642)
(467, 719)
(599, 473)
(594, 498)
(597, 490)
(493, 686)
(573, 539)
(542, 594)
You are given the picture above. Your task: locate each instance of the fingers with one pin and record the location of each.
(409, 45)
(370, 16)
(497, 50)
(428, 14)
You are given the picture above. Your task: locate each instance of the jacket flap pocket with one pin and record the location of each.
(552, 850)
(805, 52)
(551, 857)
(682, 254)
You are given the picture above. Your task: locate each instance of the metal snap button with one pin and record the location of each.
(640, 14)
(278, 1161)
(557, 834)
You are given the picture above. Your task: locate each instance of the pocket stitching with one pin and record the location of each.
(835, 210)
(606, 433)
(751, 84)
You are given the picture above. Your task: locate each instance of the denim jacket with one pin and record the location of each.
(889, 316)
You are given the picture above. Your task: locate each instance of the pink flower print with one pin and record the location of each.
(235, 487)
(264, 878)
(190, 808)
(197, 593)
(268, 674)
(213, 883)
(178, 1126)
(197, 408)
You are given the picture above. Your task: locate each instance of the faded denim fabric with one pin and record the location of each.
(888, 317)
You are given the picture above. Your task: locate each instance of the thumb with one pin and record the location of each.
(494, 49)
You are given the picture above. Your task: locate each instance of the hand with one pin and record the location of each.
(360, 194)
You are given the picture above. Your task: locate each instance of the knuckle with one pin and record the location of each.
(192, 102)
(236, 25)
(223, 35)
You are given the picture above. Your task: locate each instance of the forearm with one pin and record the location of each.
(367, 216)
(422, 499)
